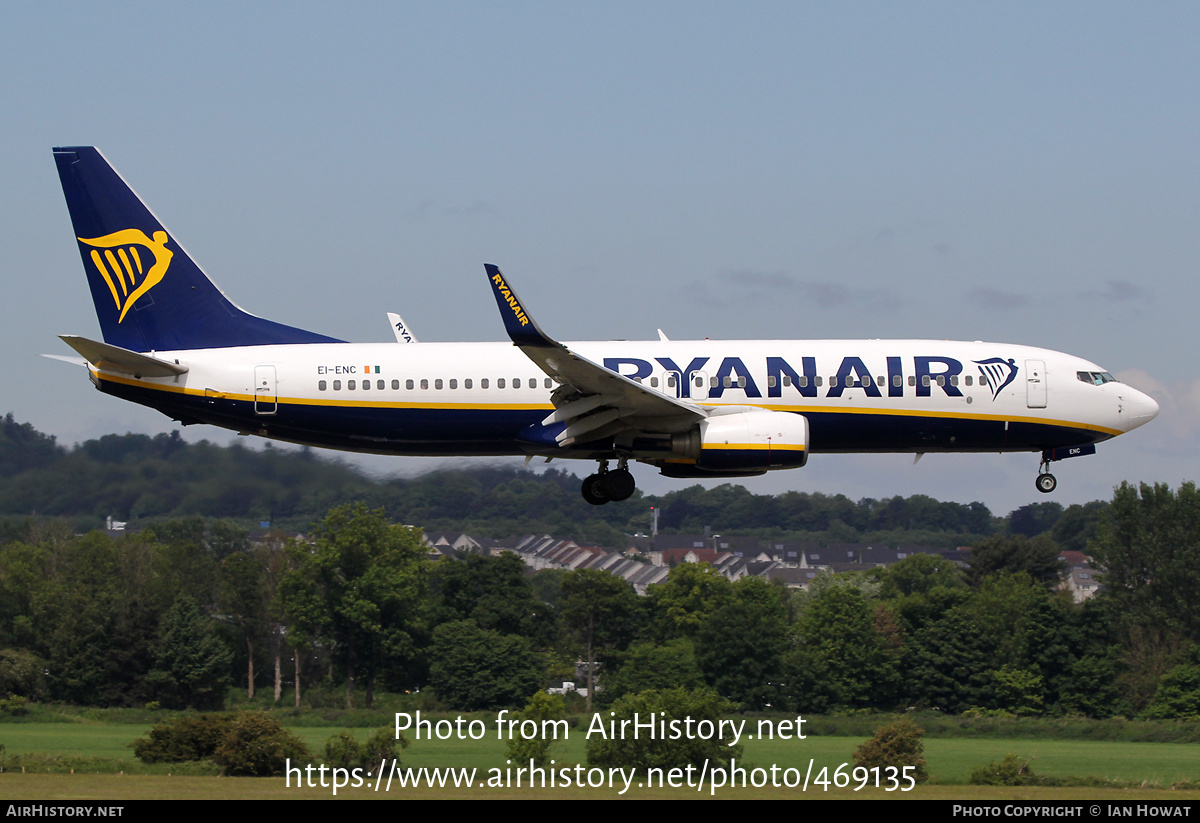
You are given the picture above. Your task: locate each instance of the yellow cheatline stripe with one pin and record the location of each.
(999, 418)
(752, 446)
(307, 401)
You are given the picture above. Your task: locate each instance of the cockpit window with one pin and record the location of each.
(1096, 378)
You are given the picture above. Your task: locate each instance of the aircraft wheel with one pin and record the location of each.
(593, 490)
(618, 484)
(1046, 483)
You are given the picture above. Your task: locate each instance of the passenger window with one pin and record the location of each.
(548, 383)
(897, 380)
(802, 382)
(337, 385)
(770, 381)
(395, 385)
(670, 381)
(954, 380)
(424, 384)
(912, 380)
(366, 385)
(968, 380)
(516, 382)
(787, 380)
(500, 382)
(379, 384)
(741, 382)
(941, 379)
(925, 380)
(467, 383)
(833, 382)
(437, 383)
(408, 384)
(817, 380)
(654, 382)
(321, 385)
(483, 384)
(712, 382)
(454, 384)
(350, 384)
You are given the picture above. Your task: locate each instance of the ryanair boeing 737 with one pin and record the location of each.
(696, 408)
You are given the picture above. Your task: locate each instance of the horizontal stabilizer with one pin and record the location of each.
(74, 361)
(122, 361)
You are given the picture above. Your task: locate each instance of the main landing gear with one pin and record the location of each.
(1045, 482)
(605, 485)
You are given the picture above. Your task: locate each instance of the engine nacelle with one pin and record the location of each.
(745, 442)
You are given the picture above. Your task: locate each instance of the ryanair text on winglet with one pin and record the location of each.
(512, 301)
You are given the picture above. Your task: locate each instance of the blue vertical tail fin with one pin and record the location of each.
(149, 294)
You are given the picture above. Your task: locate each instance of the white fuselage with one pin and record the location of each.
(476, 398)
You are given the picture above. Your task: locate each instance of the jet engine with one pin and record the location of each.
(739, 443)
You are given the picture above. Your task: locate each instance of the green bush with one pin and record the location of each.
(247, 743)
(188, 738)
(344, 751)
(256, 745)
(540, 708)
(897, 744)
(1011, 771)
(664, 706)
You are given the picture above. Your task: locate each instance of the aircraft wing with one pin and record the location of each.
(595, 402)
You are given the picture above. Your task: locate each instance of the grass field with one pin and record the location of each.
(950, 761)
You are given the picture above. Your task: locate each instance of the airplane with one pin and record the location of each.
(691, 408)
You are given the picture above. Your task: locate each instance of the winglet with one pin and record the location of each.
(521, 328)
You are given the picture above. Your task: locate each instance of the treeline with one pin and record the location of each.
(175, 615)
(145, 480)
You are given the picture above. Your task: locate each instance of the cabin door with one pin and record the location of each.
(265, 399)
(1035, 384)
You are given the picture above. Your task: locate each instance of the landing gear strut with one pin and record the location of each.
(605, 485)
(1045, 482)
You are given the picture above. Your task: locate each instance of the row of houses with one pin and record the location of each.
(647, 560)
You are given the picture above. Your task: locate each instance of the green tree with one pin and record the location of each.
(1037, 557)
(495, 592)
(476, 668)
(740, 649)
(688, 598)
(600, 610)
(648, 665)
(359, 589)
(1149, 547)
(191, 666)
(1178, 695)
(840, 631)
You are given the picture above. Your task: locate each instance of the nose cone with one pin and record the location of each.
(1136, 408)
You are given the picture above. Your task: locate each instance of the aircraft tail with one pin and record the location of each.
(149, 294)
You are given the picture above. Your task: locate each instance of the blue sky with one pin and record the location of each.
(1017, 172)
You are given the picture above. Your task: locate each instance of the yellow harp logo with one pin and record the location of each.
(122, 266)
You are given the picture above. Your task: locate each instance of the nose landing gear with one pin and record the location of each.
(605, 485)
(1046, 482)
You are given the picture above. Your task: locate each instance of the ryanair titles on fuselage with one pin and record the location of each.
(924, 373)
